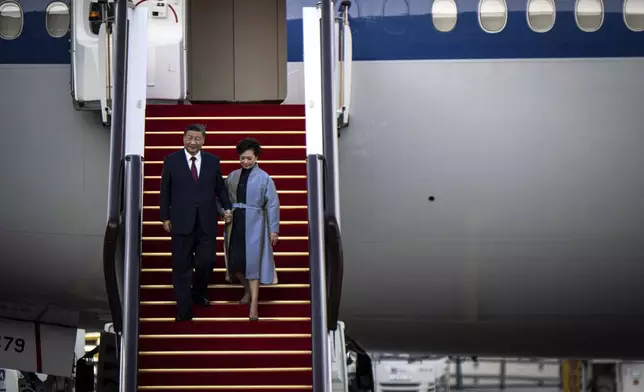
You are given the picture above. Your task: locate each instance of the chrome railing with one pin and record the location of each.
(122, 245)
(132, 208)
(112, 263)
(325, 247)
(319, 332)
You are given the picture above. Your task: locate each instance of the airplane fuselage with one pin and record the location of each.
(490, 182)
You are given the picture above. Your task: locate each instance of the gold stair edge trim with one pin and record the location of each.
(287, 192)
(228, 118)
(230, 286)
(282, 223)
(281, 207)
(278, 269)
(276, 302)
(218, 132)
(227, 336)
(222, 253)
(278, 176)
(284, 161)
(215, 387)
(221, 319)
(228, 352)
(271, 147)
(285, 238)
(228, 370)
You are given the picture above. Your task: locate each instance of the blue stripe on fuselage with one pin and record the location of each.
(414, 37)
(35, 45)
(405, 32)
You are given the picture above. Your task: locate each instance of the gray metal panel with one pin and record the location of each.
(536, 172)
(54, 196)
(535, 167)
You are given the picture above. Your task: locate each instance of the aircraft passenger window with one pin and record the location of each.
(541, 15)
(634, 14)
(11, 20)
(57, 19)
(589, 15)
(444, 15)
(493, 15)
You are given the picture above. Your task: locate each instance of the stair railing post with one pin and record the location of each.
(329, 118)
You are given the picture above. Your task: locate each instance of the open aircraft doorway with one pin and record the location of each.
(237, 51)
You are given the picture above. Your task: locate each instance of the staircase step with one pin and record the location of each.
(200, 359)
(287, 197)
(287, 213)
(231, 388)
(274, 167)
(226, 376)
(231, 138)
(230, 310)
(161, 124)
(163, 244)
(241, 326)
(296, 182)
(287, 228)
(223, 292)
(277, 152)
(290, 260)
(225, 110)
(161, 276)
(222, 342)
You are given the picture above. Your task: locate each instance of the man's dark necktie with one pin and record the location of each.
(193, 168)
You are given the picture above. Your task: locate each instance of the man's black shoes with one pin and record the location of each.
(187, 316)
(201, 301)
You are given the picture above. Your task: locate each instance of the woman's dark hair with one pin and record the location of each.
(249, 144)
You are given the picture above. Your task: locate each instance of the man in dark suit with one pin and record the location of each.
(189, 182)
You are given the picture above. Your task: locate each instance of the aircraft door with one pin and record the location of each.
(167, 62)
(237, 50)
(93, 31)
(91, 54)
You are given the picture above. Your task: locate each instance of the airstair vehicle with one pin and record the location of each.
(129, 55)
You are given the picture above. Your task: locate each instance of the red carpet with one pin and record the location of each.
(221, 349)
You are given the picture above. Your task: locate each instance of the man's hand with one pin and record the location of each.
(228, 216)
(274, 238)
(167, 226)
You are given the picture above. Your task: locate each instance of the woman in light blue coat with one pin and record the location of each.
(253, 231)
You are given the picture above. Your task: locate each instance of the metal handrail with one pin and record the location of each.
(334, 271)
(317, 270)
(334, 264)
(133, 210)
(323, 207)
(112, 257)
(114, 194)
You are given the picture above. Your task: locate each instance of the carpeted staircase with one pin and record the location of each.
(220, 349)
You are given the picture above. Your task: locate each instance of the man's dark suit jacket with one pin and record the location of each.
(181, 197)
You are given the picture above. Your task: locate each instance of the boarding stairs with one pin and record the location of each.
(288, 348)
